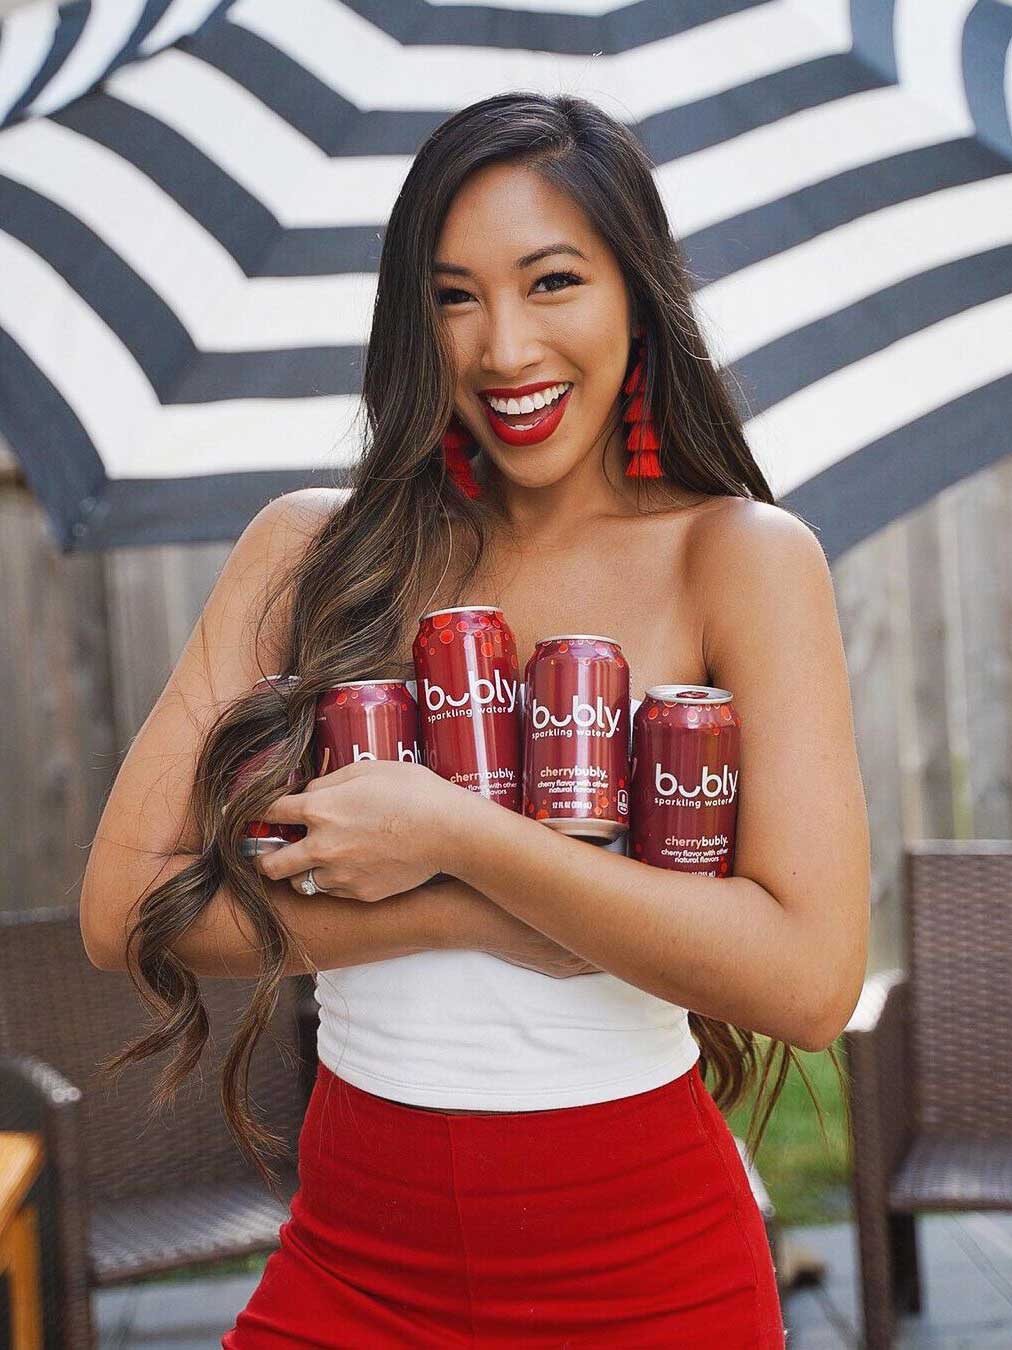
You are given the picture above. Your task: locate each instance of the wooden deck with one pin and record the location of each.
(967, 1261)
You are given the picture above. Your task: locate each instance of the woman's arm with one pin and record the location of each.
(146, 823)
(780, 947)
(332, 932)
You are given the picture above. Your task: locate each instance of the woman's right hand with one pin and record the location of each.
(473, 922)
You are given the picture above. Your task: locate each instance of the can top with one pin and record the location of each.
(358, 684)
(272, 680)
(689, 693)
(578, 637)
(461, 609)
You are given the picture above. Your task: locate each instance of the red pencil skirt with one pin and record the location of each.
(624, 1223)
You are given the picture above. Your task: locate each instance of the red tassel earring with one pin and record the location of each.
(642, 441)
(455, 442)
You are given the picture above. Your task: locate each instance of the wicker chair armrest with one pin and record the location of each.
(30, 1090)
(877, 1042)
(35, 1097)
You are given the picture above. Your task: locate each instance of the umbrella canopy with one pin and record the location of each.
(193, 198)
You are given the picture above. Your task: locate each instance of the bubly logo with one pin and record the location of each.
(583, 716)
(406, 754)
(481, 691)
(723, 784)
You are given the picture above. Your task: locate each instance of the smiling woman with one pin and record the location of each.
(540, 1047)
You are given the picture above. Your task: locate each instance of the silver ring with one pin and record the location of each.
(308, 884)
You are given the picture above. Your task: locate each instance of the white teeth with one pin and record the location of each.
(529, 402)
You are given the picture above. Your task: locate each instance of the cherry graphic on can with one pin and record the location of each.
(576, 736)
(366, 719)
(685, 770)
(468, 685)
(264, 836)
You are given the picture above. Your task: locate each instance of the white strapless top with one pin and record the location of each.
(465, 1031)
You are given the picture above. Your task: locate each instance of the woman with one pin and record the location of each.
(493, 1156)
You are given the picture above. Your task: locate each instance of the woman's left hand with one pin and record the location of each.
(373, 829)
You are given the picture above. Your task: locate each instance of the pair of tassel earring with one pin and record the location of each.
(641, 439)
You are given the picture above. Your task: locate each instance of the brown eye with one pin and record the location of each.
(569, 278)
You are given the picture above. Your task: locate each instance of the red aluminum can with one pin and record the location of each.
(685, 770)
(264, 836)
(576, 736)
(366, 719)
(468, 700)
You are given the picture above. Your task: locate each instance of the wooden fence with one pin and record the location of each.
(925, 608)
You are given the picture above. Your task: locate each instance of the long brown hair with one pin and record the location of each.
(355, 592)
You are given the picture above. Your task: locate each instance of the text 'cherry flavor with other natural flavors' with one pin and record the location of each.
(468, 683)
(366, 719)
(265, 836)
(686, 748)
(576, 736)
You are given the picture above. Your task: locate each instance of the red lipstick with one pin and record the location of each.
(544, 423)
(522, 389)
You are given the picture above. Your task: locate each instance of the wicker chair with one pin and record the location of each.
(125, 1194)
(931, 1069)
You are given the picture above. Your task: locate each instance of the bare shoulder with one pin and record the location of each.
(755, 567)
(300, 515)
(279, 534)
(739, 529)
(249, 605)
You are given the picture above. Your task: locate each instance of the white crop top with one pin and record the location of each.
(465, 1031)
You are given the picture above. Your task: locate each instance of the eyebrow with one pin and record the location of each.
(528, 259)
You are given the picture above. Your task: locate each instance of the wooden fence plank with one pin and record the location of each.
(57, 745)
(981, 509)
(864, 600)
(923, 635)
(155, 597)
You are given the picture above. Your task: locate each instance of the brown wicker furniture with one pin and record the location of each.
(930, 1058)
(125, 1193)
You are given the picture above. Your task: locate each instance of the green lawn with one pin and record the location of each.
(807, 1182)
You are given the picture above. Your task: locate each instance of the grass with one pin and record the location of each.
(807, 1182)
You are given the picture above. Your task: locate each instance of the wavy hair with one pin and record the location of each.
(354, 595)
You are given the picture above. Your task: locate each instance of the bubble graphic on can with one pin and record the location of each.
(265, 836)
(468, 684)
(685, 774)
(576, 736)
(365, 719)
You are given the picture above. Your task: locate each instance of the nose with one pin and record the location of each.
(510, 345)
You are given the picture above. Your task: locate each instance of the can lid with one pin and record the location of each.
(272, 680)
(578, 637)
(462, 609)
(358, 684)
(689, 693)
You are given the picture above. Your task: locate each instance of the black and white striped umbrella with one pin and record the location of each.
(193, 196)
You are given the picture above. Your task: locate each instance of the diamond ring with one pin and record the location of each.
(308, 884)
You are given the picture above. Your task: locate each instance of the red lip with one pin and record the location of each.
(521, 390)
(539, 432)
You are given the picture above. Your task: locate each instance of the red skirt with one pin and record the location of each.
(628, 1222)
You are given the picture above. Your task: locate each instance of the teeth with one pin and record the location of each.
(530, 402)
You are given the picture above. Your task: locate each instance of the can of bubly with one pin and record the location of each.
(365, 719)
(468, 684)
(576, 736)
(685, 771)
(265, 836)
